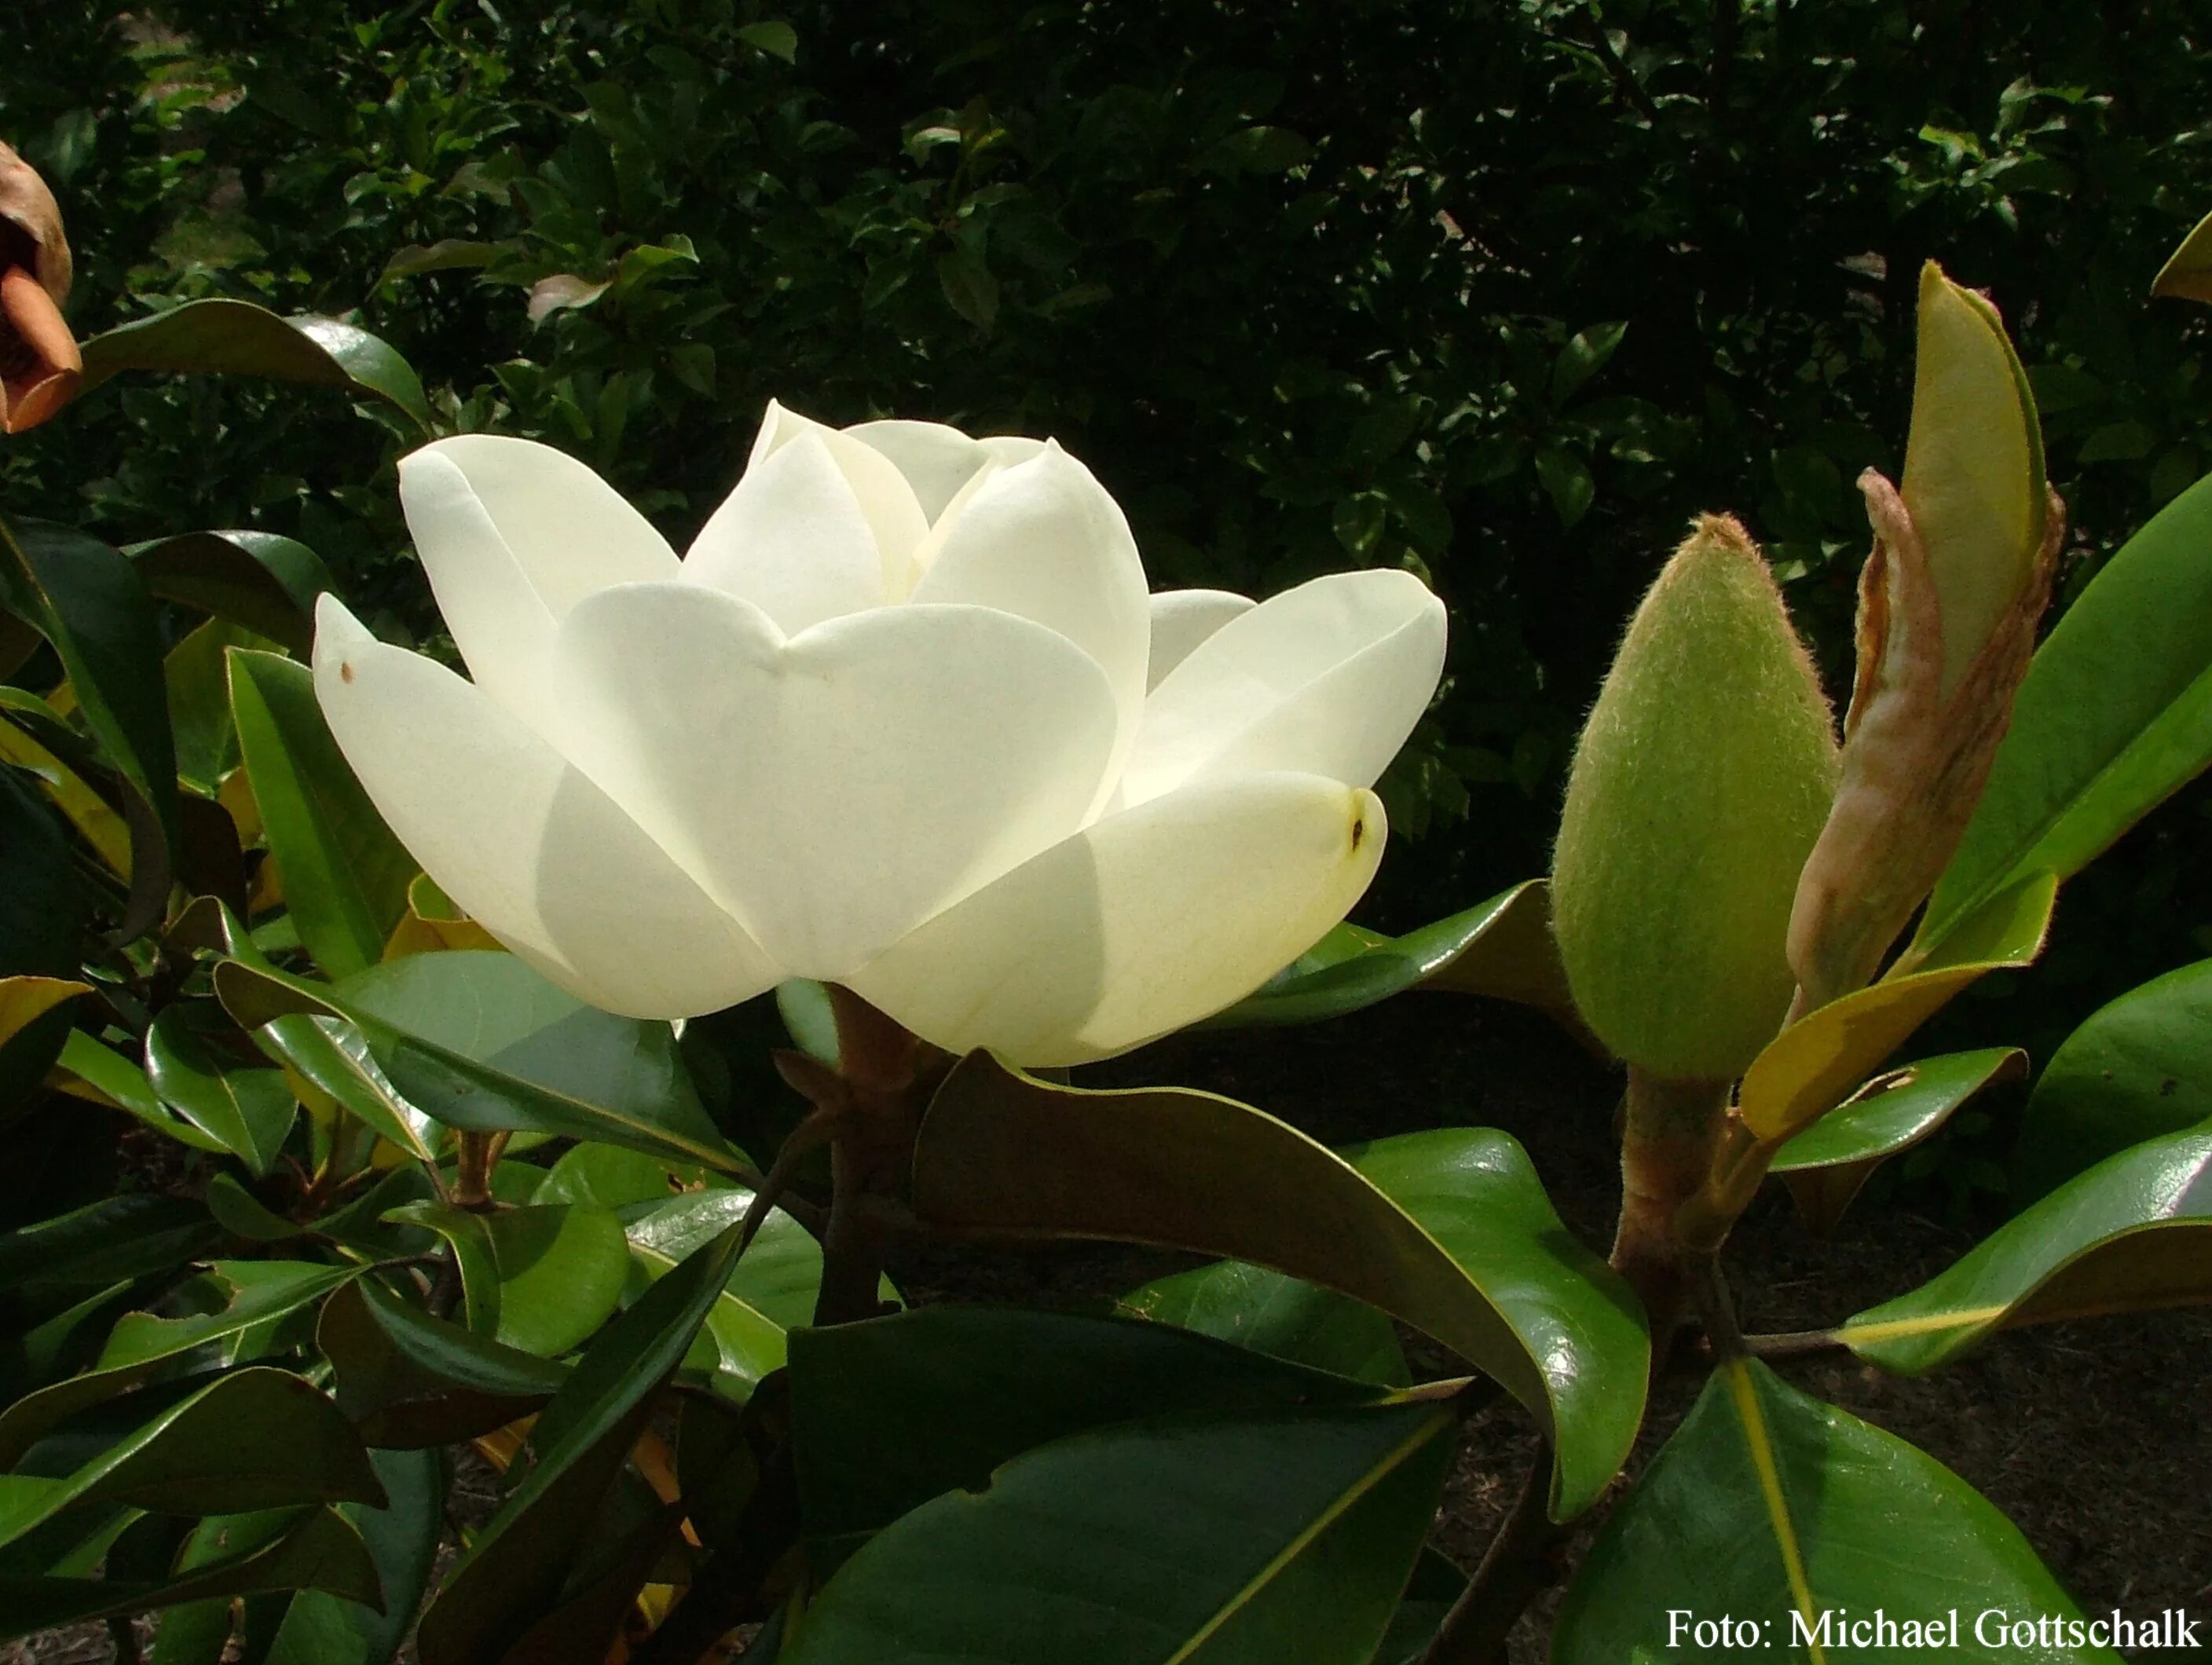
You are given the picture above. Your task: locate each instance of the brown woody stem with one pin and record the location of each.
(475, 1155)
(1672, 1132)
(1515, 1569)
(874, 1101)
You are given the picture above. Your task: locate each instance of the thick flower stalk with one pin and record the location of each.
(1948, 604)
(904, 719)
(40, 367)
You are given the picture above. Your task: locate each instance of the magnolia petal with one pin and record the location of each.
(1327, 678)
(792, 539)
(512, 535)
(1138, 925)
(936, 460)
(1043, 540)
(834, 789)
(526, 844)
(1008, 449)
(1183, 618)
(926, 553)
(893, 515)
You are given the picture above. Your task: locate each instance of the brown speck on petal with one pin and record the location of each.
(345, 670)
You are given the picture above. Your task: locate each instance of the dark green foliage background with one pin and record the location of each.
(1504, 292)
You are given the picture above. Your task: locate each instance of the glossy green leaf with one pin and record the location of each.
(613, 1177)
(1768, 1505)
(34, 1028)
(770, 1293)
(2138, 1067)
(44, 906)
(2115, 716)
(100, 826)
(628, 1545)
(127, 1236)
(261, 581)
(2187, 272)
(1825, 1166)
(322, 1627)
(332, 1054)
(2132, 1234)
(1245, 1540)
(514, 1570)
(88, 1070)
(257, 1438)
(468, 1242)
(776, 39)
(249, 1108)
(889, 1413)
(1435, 1587)
(322, 1551)
(140, 1345)
(345, 875)
(479, 1040)
(236, 337)
(89, 602)
(198, 674)
(1269, 1313)
(562, 1267)
(408, 1380)
(327, 1052)
(1502, 948)
(1449, 1231)
(1585, 354)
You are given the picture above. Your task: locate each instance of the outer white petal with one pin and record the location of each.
(936, 460)
(1142, 923)
(791, 540)
(893, 515)
(835, 789)
(1327, 678)
(512, 535)
(1043, 540)
(530, 848)
(1183, 618)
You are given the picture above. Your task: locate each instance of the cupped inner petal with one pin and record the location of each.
(512, 535)
(1327, 678)
(835, 789)
(935, 459)
(1044, 541)
(1142, 923)
(792, 539)
(522, 840)
(893, 515)
(1183, 618)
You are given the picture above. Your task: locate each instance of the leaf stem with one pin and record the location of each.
(1519, 1566)
(1793, 1344)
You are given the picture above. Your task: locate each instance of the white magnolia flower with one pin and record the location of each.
(903, 717)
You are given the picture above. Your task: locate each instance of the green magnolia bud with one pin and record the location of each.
(1703, 777)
